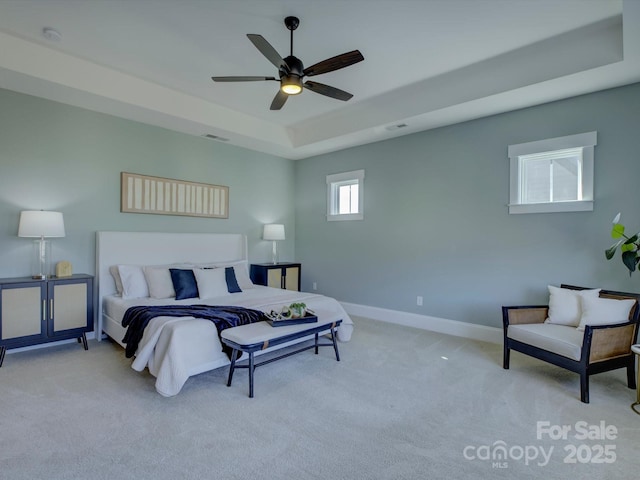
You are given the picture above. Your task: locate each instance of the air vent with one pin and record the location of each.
(216, 137)
(396, 127)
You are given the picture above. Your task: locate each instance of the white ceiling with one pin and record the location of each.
(427, 63)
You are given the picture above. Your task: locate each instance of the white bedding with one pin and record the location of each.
(176, 348)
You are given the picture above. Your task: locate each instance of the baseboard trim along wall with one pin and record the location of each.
(424, 322)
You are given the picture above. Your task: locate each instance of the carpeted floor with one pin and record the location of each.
(402, 404)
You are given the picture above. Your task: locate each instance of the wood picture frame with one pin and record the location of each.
(166, 196)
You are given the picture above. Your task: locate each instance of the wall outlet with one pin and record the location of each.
(315, 286)
(419, 301)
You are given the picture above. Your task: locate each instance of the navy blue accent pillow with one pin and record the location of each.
(184, 283)
(232, 282)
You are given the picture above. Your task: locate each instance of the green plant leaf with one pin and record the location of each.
(611, 251)
(631, 240)
(617, 230)
(626, 247)
(629, 259)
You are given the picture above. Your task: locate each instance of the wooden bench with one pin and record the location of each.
(261, 335)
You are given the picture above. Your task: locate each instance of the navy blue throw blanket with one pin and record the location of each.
(137, 318)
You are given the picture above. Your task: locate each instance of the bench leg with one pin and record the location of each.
(251, 368)
(3, 349)
(335, 343)
(84, 340)
(232, 367)
(316, 337)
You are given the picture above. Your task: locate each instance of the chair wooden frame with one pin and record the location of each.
(604, 347)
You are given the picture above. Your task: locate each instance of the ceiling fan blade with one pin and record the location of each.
(278, 100)
(268, 51)
(328, 91)
(334, 63)
(241, 79)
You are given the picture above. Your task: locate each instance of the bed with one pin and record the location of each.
(176, 348)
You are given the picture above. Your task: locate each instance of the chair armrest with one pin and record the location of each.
(518, 315)
(609, 341)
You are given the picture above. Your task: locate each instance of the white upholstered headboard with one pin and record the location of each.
(154, 248)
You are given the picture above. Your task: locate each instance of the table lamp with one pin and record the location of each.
(273, 232)
(40, 224)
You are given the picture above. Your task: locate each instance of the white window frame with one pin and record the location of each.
(586, 141)
(336, 180)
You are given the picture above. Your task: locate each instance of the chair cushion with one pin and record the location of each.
(559, 339)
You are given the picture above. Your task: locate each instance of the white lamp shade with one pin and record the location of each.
(273, 231)
(38, 223)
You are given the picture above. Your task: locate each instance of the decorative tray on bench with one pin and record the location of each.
(281, 322)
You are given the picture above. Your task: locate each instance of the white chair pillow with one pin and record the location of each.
(565, 307)
(604, 311)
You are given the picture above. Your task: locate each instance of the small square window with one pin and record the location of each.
(344, 196)
(554, 175)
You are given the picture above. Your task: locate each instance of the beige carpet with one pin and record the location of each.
(393, 408)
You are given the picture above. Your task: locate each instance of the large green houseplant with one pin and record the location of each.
(629, 246)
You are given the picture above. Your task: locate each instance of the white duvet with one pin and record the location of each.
(173, 349)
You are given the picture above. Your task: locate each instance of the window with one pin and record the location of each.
(344, 196)
(554, 175)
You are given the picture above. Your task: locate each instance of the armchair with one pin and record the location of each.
(599, 348)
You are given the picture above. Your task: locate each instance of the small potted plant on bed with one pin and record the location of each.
(298, 310)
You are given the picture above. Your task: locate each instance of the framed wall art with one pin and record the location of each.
(165, 196)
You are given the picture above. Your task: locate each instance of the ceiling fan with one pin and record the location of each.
(291, 70)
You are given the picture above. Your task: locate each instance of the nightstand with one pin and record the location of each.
(277, 275)
(40, 311)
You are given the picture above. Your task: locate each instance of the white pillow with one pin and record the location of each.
(113, 270)
(565, 307)
(212, 282)
(604, 311)
(241, 270)
(159, 281)
(134, 284)
(242, 274)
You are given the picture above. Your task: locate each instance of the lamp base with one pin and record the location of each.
(40, 264)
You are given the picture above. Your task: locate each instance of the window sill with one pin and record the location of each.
(582, 206)
(346, 216)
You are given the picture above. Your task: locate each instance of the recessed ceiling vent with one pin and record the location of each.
(396, 127)
(216, 137)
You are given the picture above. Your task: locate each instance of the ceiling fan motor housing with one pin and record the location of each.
(291, 23)
(295, 66)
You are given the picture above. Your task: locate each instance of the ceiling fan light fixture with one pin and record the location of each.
(291, 84)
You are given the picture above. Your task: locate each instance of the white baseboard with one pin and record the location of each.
(424, 322)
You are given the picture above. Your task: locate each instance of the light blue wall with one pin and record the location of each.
(436, 221)
(58, 157)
